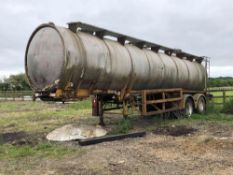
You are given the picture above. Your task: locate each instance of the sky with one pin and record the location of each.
(202, 27)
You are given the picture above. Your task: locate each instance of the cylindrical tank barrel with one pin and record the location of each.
(56, 56)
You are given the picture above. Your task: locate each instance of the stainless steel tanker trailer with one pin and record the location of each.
(118, 71)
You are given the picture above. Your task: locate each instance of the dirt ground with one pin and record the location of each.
(166, 150)
(202, 148)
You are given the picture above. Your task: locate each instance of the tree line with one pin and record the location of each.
(16, 82)
(220, 82)
(19, 82)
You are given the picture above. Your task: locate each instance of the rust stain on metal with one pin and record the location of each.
(58, 57)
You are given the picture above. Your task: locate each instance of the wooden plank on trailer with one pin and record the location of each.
(163, 97)
(163, 90)
(192, 92)
(164, 100)
(156, 107)
(163, 111)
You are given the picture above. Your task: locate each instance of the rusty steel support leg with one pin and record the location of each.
(144, 105)
(33, 97)
(125, 109)
(101, 111)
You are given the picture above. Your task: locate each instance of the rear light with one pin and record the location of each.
(94, 106)
(95, 102)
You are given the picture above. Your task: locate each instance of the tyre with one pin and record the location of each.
(189, 107)
(201, 105)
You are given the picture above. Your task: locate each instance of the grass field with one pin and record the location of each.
(219, 93)
(15, 93)
(33, 120)
(40, 117)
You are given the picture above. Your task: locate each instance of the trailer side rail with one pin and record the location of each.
(161, 101)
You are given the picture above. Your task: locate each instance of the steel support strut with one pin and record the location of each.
(125, 109)
(101, 111)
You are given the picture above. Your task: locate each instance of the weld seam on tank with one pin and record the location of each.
(105, 72)
(80, 46)
(163, 79)
(111, 62)
(177, 71)
(200, 72)
(189, 80)
(108, 72)
(93, 83)
(166, 70)
(182, 76)
(148, 80)
(132, 73)
(63, 70)
(111, 44)
(90, 83)
(195, 85)
(84, 56)
(65, 54)
(71, 71)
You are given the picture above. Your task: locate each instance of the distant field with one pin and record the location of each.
(39, 116)
(15, 93)
(220, 93)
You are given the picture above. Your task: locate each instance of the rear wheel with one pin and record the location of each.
(189, 107)
(201, 105)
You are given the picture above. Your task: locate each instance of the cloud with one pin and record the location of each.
(200, 27)
(225, 71)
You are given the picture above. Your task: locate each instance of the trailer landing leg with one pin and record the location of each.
(125, 109)
(101, 120)
(101, 112)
